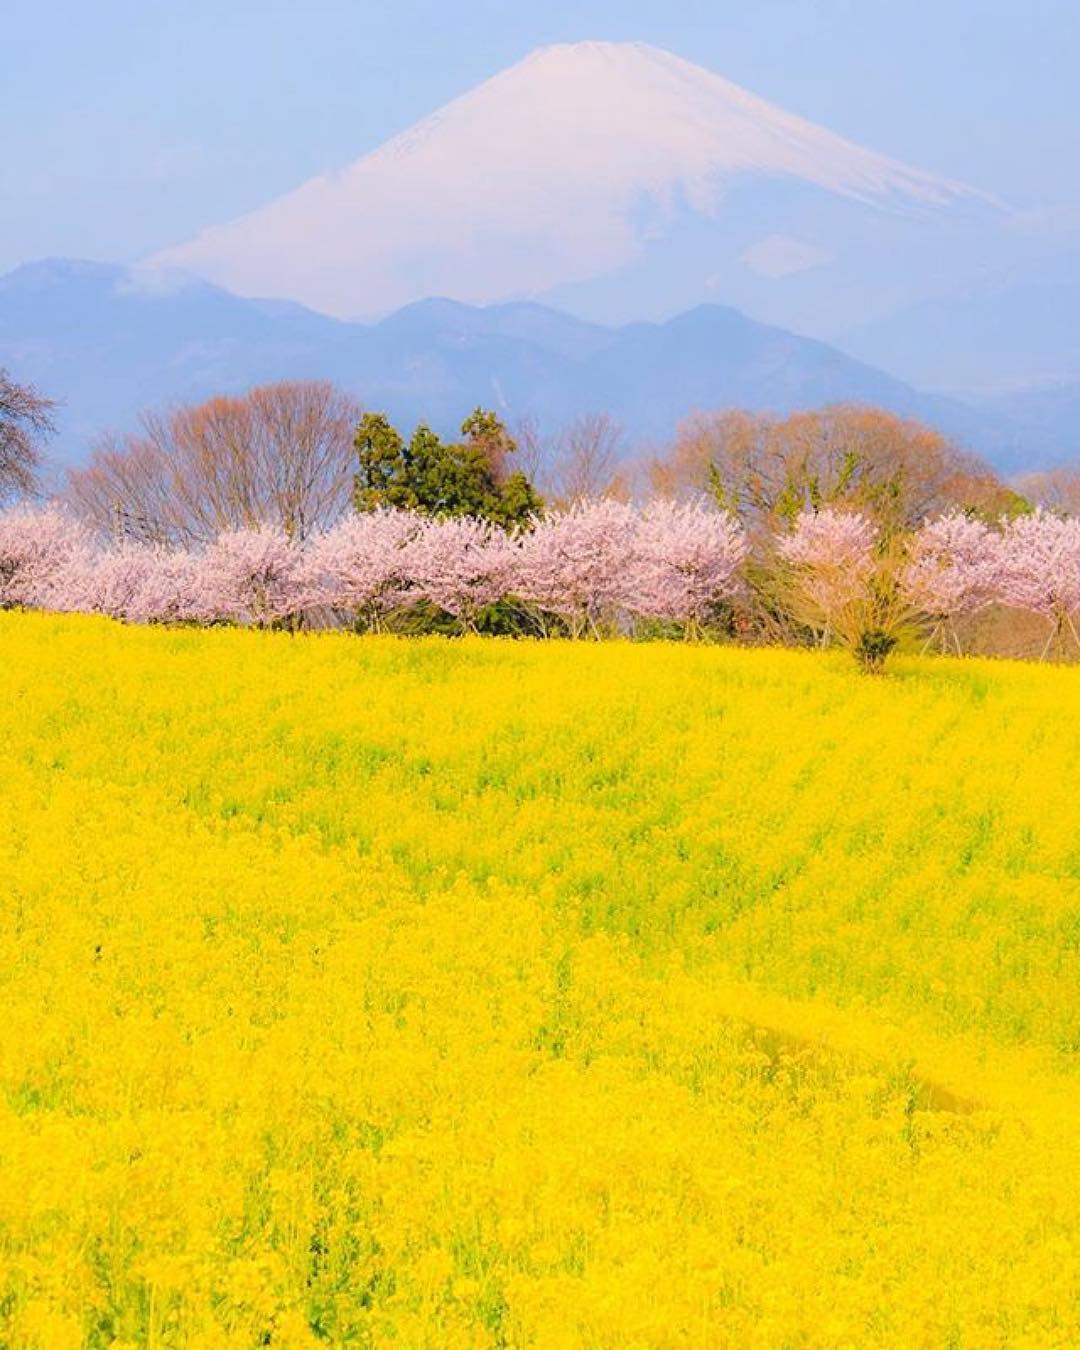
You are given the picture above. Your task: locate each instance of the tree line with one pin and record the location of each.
(596, 569)
(303, 464)
(299, 454)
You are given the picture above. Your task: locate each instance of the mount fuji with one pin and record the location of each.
(618, 181)
(609, 227)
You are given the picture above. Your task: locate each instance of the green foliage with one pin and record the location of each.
(519, 502)
(464, 478)
(873, 646)
(505, 618)
(1011, 505)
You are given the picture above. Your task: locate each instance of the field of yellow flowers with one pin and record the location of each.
(477, 993)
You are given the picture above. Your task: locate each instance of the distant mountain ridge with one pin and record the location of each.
(109, 342)
(1002, 335)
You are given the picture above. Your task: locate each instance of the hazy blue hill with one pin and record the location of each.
(86, 334)
(1003, 333)
(522, 321)
(713, 356)
(92, 336)
(1046, 420)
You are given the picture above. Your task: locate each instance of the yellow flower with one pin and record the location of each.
(474, 993)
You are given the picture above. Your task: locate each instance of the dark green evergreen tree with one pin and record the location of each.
(465, 478)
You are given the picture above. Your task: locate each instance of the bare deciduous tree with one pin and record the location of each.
(532, 453)
(1056, 489)
(581, 462)
(585, 463)
(765, 467)
(281, 454)
(25, 421)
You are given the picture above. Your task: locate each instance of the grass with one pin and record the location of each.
(436, 993)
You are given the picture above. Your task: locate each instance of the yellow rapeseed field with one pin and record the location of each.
(475, 993)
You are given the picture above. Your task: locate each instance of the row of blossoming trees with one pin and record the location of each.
(601, 567)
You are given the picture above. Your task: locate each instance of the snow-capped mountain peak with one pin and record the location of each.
(554, 171)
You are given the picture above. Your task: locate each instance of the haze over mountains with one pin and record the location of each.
(998, 334)
(95, 336)
(560, 203)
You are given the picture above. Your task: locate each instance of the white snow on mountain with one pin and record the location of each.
(557, 170)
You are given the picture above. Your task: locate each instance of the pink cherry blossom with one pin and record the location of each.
(460, 565)
(831, 556)
(112, 580)
(1039, 570)
(143, 583)
(686, 558)
(953, 567)
(251, 576)
(171, 590)
(359, 567)
(597, 566)
(577, 564)
(42, 549)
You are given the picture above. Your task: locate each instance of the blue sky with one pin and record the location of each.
(130, 124)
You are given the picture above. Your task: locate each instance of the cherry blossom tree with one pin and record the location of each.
(112, 579)
(252, 576)
(831, 554)
(1039, 571)
(142, 583)
(595, 566)
(687, 557)
(577, 564)
(460, 565)
(42, 550)
(952, 570)
(359, 566)
(842, 580)
(172, 590)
